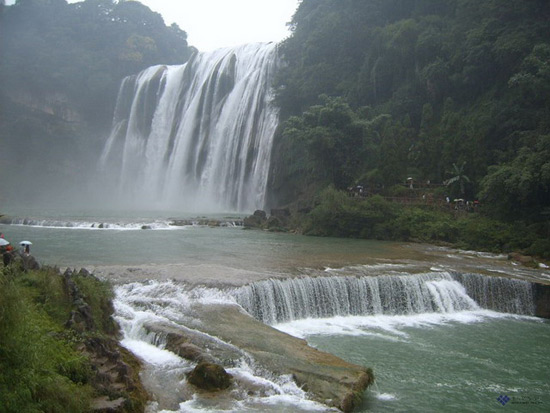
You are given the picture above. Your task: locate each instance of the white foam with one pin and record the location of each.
(96, 225)
(296, 402)
(152, 354)
(481, 254)
(385, 396)
(386, 327)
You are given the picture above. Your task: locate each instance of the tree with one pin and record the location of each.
(459, 179)
(521, 187)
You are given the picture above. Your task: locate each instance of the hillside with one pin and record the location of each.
(452, 94)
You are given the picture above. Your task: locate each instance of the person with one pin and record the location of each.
(7, 257)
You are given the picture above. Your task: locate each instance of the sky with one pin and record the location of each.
(211, 24)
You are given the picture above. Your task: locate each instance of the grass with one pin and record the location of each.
(40, 368)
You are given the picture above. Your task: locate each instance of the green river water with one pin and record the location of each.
(471, 361)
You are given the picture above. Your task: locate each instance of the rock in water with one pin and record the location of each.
(256, 220)
(209, 376)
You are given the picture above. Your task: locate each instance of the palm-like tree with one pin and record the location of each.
(458, 177)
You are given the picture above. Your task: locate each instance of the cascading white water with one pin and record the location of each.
(274, 301)
(197, 136)
(138, 305)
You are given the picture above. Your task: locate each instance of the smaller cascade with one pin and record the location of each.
(500, 294)
(275, 301)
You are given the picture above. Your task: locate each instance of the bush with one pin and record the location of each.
(339, 215)
(540, 248)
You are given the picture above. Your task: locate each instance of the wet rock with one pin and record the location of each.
(189, 351)
(115, 380)
(327, 378)
(194, 345)
(210, 377)
(25, 262)
(30, 263)
(260, 214)
(526, 260)
(256, 220)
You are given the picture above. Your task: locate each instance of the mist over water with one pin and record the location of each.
(196, 137)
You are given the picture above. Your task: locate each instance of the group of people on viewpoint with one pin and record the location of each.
(7, 250)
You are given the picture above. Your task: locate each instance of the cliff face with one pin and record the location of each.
(56, 104)
(47, 147)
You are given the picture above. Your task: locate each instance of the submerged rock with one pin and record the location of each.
(210, 377)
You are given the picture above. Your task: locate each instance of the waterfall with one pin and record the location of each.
(274, 301)
(196, 136)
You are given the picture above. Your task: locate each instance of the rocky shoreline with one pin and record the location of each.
(116, 370)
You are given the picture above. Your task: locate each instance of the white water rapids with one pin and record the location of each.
(335, 305)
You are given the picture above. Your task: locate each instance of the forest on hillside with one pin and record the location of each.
(83, 50)
(450, 92)
(61, 67)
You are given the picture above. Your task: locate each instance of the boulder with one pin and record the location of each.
(25, 261)
(210, 377)
(30, 263)
(260, 214)
(256, 220)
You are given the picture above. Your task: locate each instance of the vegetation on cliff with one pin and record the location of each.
(55, 333)
(61, 66)
(449, 93)
(83, 50)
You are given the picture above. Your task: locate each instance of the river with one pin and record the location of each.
(432, 343)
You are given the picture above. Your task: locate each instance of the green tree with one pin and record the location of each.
(521, 188)
(459, 179)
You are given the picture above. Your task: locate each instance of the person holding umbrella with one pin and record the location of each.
(6, 249)
(3, 243)
(26, 247)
